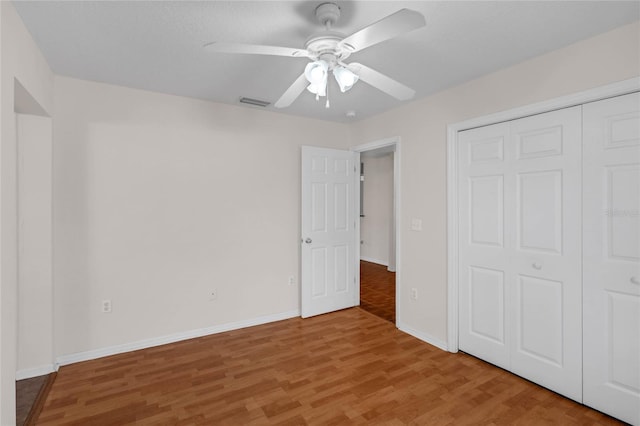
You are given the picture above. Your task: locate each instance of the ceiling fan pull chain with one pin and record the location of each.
(327, 90)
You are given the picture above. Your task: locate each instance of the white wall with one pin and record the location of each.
(375, 226)
(422, 127)
(35, 285)
(20, 60)
(159, 199)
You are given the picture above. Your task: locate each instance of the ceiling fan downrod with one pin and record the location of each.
(328, 14)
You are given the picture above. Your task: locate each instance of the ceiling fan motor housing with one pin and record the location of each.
(326, 46)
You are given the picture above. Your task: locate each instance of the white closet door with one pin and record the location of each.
(484, 254)
(545, 232)
(612, 256)
(519, 248)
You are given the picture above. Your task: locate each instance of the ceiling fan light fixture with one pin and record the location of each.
(345, 78)
(318, 89)
(328, 50)
(316, 72)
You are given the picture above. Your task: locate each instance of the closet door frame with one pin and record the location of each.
(620, 88)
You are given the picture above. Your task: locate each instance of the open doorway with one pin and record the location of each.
(378, 242)
(33, 152)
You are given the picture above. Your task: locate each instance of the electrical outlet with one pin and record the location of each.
(213, 294)
(292, 280)
(414, 293)
(106, 306)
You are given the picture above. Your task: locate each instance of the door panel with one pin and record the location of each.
(319, 199)
(622, 193)
(483, 254)
(611, 256)
(486, 304)
(328, 230)
(540, 324)
(540, 211)
(319, 268)
(519, 251)
(624, 340)
(546, 341)
(539, 142)
(486, 210)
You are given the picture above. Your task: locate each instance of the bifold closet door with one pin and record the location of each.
(519, 247)
(546, 302)
(612, 256)
(484, 255)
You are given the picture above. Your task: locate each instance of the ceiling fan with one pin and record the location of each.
(329, 49)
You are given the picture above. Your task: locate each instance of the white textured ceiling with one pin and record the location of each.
(157, 45)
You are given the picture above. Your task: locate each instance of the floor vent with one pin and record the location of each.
(256, 102)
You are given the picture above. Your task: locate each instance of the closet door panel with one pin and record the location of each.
(612, 256)
(483, 253)
(539, 211)
(546, 336)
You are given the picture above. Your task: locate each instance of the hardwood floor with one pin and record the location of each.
(378, 290)
(347, 367)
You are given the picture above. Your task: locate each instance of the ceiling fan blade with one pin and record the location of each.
(382, 82)
(292, 92)
(255, 49)
(401, 22)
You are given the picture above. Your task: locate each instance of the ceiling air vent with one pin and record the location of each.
(256, 102)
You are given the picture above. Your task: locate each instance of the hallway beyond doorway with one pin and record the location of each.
(378, 290)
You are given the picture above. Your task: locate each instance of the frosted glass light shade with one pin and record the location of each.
(316, 72)
(345, 78)
(318, 89)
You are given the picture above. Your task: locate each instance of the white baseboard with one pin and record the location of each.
(163, 340)
(41, 370)
(440, 344)
(372, 260)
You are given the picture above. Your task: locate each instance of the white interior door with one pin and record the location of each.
(519, 248)
(329, 233)
(545, 232)
(612, 256)
(483, 252)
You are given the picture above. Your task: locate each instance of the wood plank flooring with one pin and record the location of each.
(347, 367)
(378, 290)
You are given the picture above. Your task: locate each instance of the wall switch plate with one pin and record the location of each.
(106, 306)
(416, 224)
(213, 294)
(414, 293)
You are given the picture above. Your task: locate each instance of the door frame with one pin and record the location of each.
(595, 94)
(371, 146)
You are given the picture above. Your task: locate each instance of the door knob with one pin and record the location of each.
(308, 241)
(634, 280)
(536, 265)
